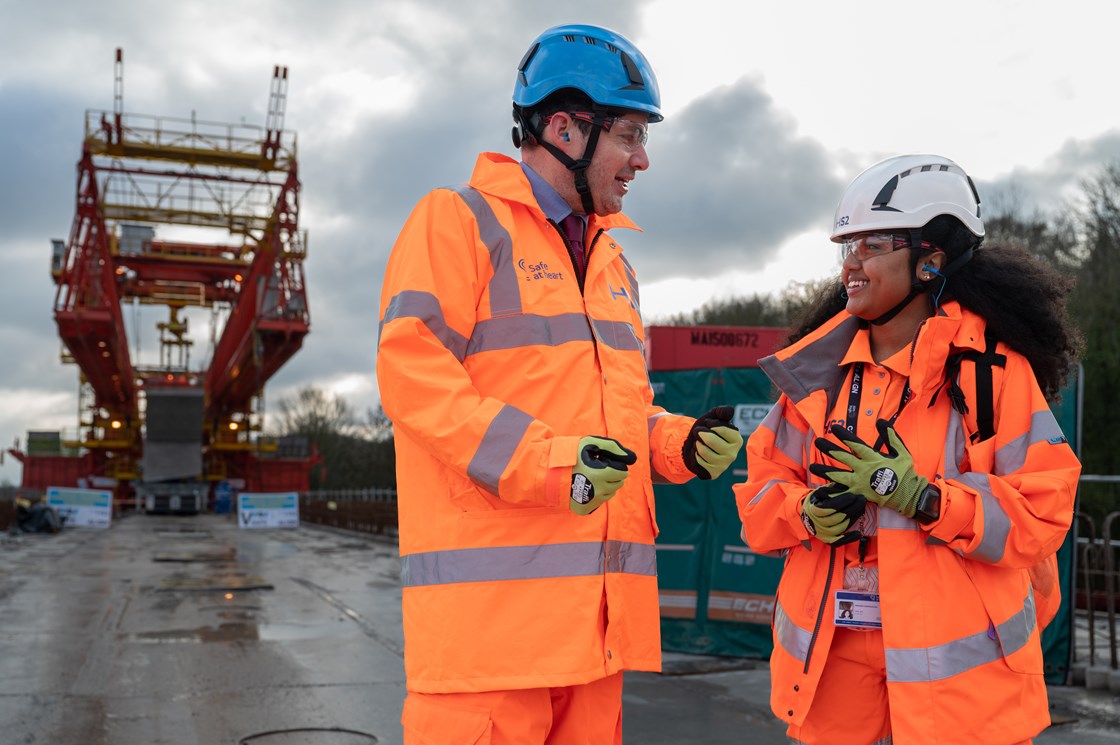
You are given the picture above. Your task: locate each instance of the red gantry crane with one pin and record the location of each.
(234, 191)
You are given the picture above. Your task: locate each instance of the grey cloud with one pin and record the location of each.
(29, 337)
(728, 183)
(1051, 188)
(375, 176)
(42, 133)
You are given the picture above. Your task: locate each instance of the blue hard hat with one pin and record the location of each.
(595, 60)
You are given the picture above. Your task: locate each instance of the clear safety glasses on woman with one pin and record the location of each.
(630, 133)
(867, 246)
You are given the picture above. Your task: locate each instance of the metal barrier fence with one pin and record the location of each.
(1097, 580)
(362, 510)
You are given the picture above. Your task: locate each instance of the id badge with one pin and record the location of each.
(857, 610)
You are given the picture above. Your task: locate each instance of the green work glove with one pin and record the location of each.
(887, 479)
(829, 511)
(599, 473)
(712, 443)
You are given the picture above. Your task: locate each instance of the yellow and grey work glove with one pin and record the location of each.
(887, 479)
(829, 511)
(712, 443)
(598, 473)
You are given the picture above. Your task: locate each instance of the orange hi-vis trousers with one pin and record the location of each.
(568, 715)
(850, 706)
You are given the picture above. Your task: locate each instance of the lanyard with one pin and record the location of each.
(855, 393)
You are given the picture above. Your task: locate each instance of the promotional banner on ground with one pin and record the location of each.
(268, 510)
(81, 508)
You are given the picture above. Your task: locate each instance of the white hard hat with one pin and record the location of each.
(906, 192)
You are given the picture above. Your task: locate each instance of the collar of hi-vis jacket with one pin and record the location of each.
(501, 176)
(812, 363)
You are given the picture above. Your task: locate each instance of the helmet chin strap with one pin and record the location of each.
(577, 167)
(917, 287)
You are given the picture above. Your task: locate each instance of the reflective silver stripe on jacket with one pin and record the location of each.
(943, 661)
(497, 447)
(802, 373)
(505, 296)
(1011, 457)
(787, 438)
(617, 335)
(793, 639)
(508, 329)
(997, 524)
(762, 492)
(888, 740)
(503, 563)
(926, 665)
(512, 332)
(892, 520)
(632, 276)
(425, 307)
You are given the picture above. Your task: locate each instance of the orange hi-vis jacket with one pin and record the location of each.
(964, 662)
(492, 365)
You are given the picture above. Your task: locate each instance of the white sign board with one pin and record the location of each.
(749, 416)
(268, 510)
(81, 508)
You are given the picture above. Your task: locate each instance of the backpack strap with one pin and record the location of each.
(985, 401)
(985, 406)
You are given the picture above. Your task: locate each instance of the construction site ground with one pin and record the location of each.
(186, 630)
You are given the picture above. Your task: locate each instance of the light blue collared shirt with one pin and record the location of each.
(553, 205)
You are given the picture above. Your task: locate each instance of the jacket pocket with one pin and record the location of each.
(427, 720)
(474, 502)
(478, 505)
(1013, 622)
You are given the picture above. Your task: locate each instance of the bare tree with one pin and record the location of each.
(312, 413)
(1097, 223)
(377, 425)
(356, 455)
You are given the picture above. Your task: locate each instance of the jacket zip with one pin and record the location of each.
(821, 607)
(587, 256)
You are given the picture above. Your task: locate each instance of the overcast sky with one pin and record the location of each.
(771, 108)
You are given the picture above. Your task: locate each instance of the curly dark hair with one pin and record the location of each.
(1022, 300)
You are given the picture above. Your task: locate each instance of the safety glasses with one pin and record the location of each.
(867, 246)
(630, 133)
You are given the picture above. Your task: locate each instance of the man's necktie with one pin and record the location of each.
(573, 229)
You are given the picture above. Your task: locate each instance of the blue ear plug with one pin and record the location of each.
(941, 289)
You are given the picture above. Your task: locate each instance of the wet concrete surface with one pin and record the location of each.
(188, 631)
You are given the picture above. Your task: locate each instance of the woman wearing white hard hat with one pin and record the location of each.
(914, 477)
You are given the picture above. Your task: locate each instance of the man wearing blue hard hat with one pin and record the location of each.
(511, 362)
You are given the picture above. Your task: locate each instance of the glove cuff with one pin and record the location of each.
(807, 521)
(905, 501)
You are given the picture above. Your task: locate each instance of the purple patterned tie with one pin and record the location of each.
(573, 229)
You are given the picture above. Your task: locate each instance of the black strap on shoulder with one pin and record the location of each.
(985, 404)
(985, 400)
